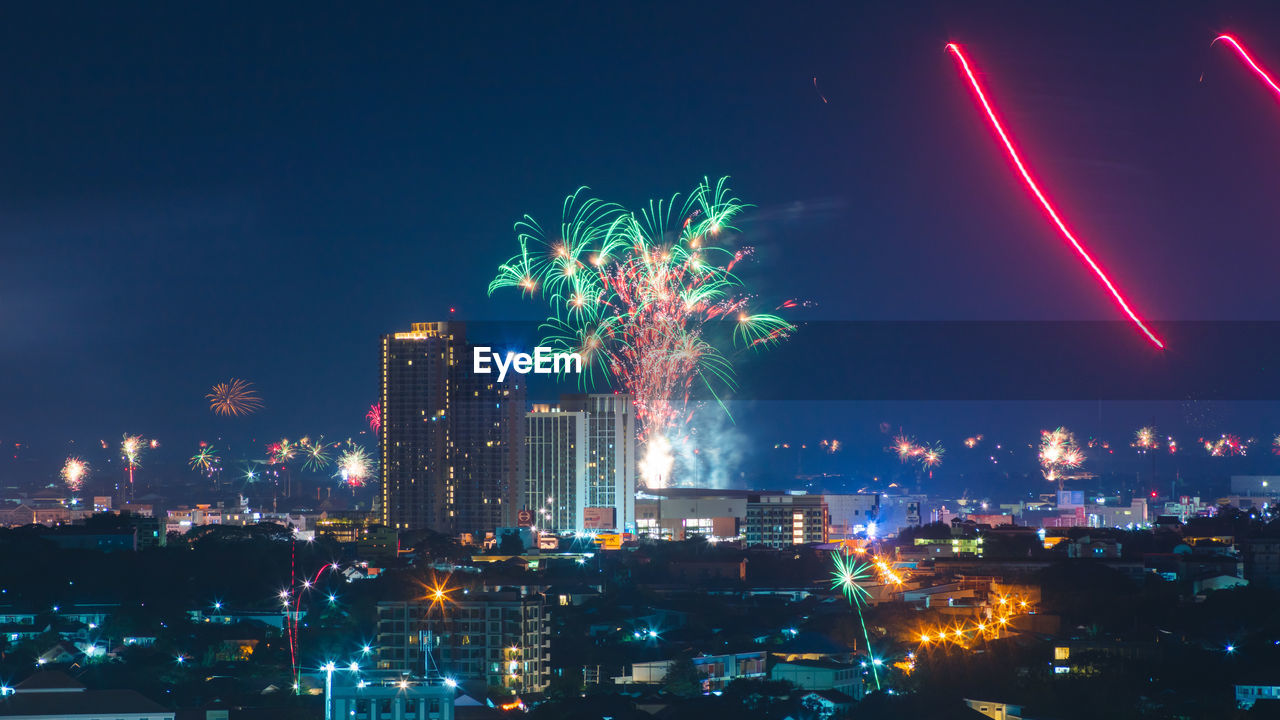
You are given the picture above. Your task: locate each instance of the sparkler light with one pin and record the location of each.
(234, 397)
(74, 471)
(1248, 60)
(633, 293)
(1052, 213)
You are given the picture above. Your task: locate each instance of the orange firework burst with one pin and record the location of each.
(234, 397)
(74, 471)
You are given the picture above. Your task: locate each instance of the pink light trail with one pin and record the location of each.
(1244, 55)
(954, 49)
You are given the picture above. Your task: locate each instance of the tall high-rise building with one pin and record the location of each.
(609, 495)
(555, 488)
(452, 444)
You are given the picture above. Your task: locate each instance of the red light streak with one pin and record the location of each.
(1044, 201)
(1249, 61)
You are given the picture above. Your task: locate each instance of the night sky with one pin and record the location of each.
(195, 192)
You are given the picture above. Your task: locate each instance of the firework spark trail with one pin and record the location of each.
(1044, 201)
(374, 416)
(1244, 55)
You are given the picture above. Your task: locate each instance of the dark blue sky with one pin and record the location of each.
(193, 192)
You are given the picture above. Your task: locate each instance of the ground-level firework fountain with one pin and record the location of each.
(635, 294)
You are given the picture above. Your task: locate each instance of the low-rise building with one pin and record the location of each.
(820, 675)
(390, 696)
(716, 670)
(55, 695)
(779, 520)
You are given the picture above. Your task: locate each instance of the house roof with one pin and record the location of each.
(49, 681)
(819, 664)
(834, 696)
(85, 703)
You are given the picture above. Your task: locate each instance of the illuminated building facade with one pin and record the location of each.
(555, 488)
(452, 440)
(786, 519)
(500, 638)
(609, 500)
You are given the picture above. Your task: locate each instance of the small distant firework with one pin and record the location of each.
(1226, 445)
(847, 577)
(374, 416)
(1058, 452)
(205, 459)
(234, 397)
(1146, 439)
(1275, 445)
(74, 471)
(931, 456)
(831, 446)
(279, 453)
(131, 449)
(355, 466)
(315, 453)
(1050, 211)
(906, 447)
(973, 442)
(815, 88)
(1171, 444)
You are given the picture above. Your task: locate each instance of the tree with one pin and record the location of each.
(511, 544)
(682, 678)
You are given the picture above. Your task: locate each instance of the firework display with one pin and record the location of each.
(130, 451)
(907, 449)
(848, 577)
(1226, 445)
(1040, 196)
(374, 418)
(205, 459)
(234, 397)
(74, 472)
(1059, 452)
(355, 466)
(315, 453)
(1145, 438)
(634, 293)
